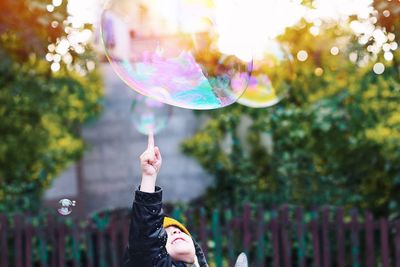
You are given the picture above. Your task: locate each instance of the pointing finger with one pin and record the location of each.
(150, 142)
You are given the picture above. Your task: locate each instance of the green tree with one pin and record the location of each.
(42, 109)
(334, 140)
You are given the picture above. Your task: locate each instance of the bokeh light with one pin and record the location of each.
(335, 51)
(302, 55)
(174, 56)
(379, 68)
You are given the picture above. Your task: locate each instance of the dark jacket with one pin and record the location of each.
(147, 237)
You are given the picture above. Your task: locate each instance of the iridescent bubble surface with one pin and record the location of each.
(149, 115)
(171, 53)
(269, 82)
(66, 206)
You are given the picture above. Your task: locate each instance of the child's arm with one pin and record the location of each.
(150, 163)
(147, 237)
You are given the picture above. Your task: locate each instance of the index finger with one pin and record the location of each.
(150, 142)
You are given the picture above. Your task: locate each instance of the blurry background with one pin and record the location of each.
(334, 141)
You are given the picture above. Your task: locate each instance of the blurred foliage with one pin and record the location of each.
(41, 111)
(334, 140)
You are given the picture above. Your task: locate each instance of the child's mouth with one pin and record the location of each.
(177, 240)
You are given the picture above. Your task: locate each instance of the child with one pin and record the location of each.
(156, 240)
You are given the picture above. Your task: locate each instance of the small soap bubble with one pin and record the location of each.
(269, 82)
(66, 206)
(149, 115)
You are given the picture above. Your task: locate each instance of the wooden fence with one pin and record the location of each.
(282, 237)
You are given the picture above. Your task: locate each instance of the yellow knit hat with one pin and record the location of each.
(168, 221)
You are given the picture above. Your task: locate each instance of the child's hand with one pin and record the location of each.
(150, 160)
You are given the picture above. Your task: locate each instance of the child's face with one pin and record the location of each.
(179, 245)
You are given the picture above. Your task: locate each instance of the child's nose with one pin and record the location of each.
(176, 231)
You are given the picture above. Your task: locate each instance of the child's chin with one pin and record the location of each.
(181, 248)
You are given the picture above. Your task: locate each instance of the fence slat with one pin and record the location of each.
(397, 243)
(41, 243)
(246, 228)
(28, 245)
(113, 231)
(52, 224)
(90, 246)
(301, 239)
(315, 237)
(355, 241)
(369, 238)
(61, 244)
(340, 238)
(229, 230)
(260, 238)
(3, 241)
(286, 244)
(203, 231)
(275, 238)
(76, 254)
(18, 241)
(215, 222)
(101, 257)
(325, 238)
(384, 229)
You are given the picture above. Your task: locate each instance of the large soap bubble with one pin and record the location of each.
(270, 79)
(170, 50)
(149, 115)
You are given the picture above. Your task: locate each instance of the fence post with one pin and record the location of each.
(301, 252)
(369, 238)
(325, 237)
(3, 241)
(315, 237)
(355, 241)
(340, 238)
(286, 244)
(384, 229)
